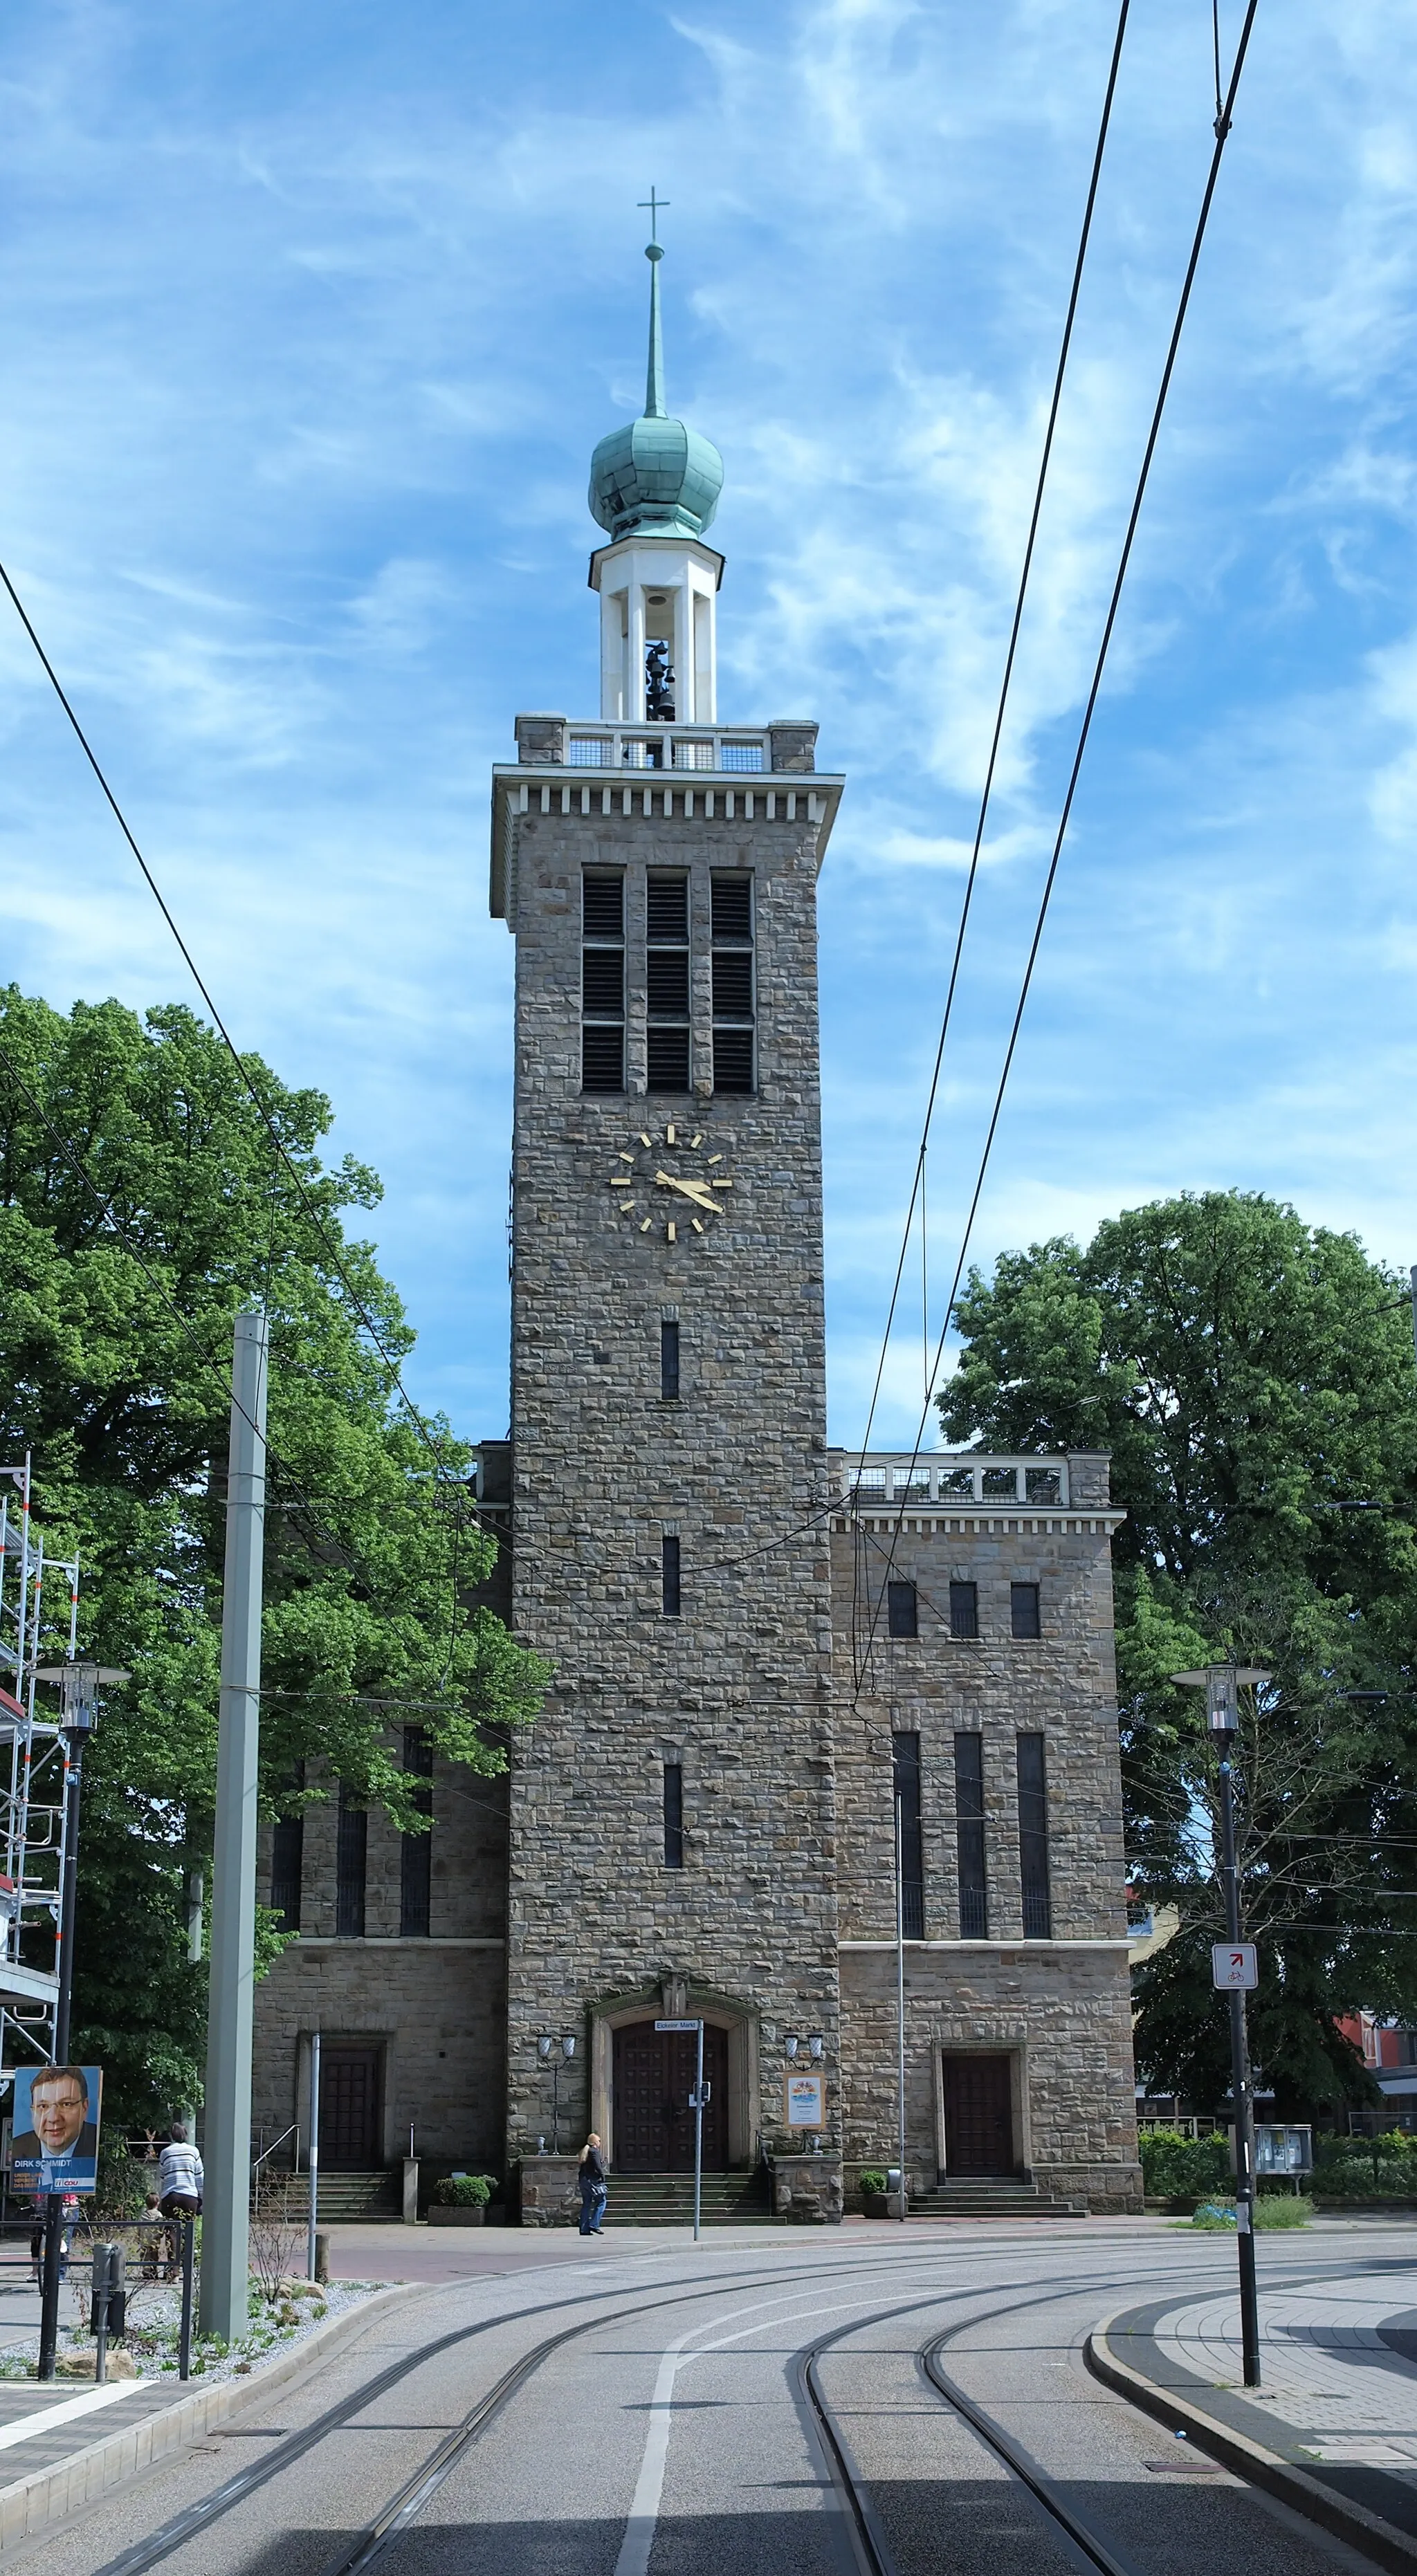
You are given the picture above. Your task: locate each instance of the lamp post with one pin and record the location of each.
(79, 1686)
(546, 2049)
(1220, 1683)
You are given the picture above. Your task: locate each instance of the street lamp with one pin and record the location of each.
(79, 1686)
(1220, 1682)
(546, 2051)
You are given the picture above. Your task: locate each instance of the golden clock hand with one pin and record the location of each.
(697, 1191)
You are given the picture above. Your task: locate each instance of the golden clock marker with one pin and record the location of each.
(696, 1141)
(669, 1230)
(645, 1227)
(697, 1224)
(628, 1209)
(623, 1157)
(669, 1135)
(644, 1139)
(715, 1158)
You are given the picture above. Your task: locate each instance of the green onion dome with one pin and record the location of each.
(655, 474)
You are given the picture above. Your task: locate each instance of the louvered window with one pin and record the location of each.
(667, 981)
(969, 1838)
(734, 1003)
(602, 980)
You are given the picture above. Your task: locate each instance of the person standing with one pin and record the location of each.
(591, 2177)
(179, 2185)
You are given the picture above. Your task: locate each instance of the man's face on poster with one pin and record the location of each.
(57, 2109)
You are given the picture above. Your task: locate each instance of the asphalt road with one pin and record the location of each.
(670, 2434)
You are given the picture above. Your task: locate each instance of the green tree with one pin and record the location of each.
(1251, 1376)
(117, 1382)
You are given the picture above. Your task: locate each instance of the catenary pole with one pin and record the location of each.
(1240, 2094)
(900, 1995)
(227, 2137)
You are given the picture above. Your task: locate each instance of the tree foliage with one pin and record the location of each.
(115, 1373)
(1253, 1378)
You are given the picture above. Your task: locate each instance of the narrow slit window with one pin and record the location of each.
(669, 1576)
(416, 1850)
(902, 1612)
(1023, 1610)
(1033, 1839)
(734, 996)
(351, 1850)
(603, 980)
(905, 1771)
(673, 1815)
(669, 1363)
(969, 1838)
(964, 1609)
(668, 1055)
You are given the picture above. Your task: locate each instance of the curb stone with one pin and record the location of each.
(49, 2494)
(1367, 2531)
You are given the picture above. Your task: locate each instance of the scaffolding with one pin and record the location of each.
(34, 1763)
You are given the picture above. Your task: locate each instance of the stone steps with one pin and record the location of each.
(667, 2200)
(983, 2199)
(343, 2196)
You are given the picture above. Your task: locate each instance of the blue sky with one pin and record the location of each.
(311, 320)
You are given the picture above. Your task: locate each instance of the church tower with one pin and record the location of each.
(673, 1820)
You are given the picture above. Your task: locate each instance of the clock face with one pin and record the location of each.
(671, 1181)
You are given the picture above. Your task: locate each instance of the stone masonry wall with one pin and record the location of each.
(434, 2008)
(738, 1686)
(1062, 2006)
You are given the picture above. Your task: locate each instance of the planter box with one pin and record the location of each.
(881, 2204)
(447, 2214)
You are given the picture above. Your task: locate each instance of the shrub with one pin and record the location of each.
(464, 2191)
(873, 2178)
(1175, 2167)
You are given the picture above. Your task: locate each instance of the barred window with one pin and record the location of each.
(1023, 1610)
(969, 1837)
(902, 1617)
(964, 1609)
(905, 1773)
(673, 1815)
(1033, 1839)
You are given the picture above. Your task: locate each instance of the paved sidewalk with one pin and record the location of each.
(1338, 2401)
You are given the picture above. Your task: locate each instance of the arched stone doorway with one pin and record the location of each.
(638, 2083)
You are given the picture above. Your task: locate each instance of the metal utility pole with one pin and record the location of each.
(900, 1996)
(312, 2161)
(1219, 1682)
(227, 2133)
(79, 1685)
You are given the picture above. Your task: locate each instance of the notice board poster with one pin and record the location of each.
(56, 2116)
(805, 2101)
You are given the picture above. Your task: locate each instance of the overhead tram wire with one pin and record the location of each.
(917, 1190)
(1006, 682)
(1223, 124)
(330, 1245)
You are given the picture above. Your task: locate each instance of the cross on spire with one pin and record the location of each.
(653, 206)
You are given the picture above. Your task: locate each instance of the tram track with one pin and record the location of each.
(403, 2506)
